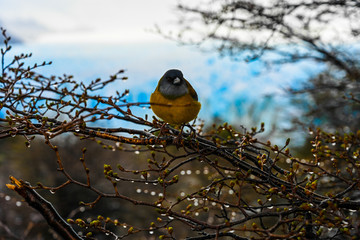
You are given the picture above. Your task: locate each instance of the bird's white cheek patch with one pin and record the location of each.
(176, 80)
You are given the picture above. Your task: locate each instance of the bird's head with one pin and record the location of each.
(173, 84)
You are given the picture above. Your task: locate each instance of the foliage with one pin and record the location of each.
(205, 185)
(330, 101)
(284, 32)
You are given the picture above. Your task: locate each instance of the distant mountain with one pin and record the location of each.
(23, 30)
(14, 38)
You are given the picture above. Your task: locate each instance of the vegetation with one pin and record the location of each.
(324, 32)
(89, 181)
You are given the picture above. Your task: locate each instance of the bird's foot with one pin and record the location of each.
(178, 141)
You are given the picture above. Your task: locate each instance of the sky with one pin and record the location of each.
(89, 40)
(86, 21)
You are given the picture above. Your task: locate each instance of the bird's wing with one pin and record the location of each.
(192, 91)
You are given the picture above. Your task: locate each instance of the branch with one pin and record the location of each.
(215, 236)
(44, 207)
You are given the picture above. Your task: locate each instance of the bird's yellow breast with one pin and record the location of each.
(174, 111)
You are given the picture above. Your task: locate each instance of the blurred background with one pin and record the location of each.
(89, 39)
(88, 42)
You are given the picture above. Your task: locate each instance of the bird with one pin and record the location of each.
(174, 100)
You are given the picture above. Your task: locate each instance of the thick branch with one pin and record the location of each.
(45, 208)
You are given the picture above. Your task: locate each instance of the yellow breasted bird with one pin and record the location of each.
(174, 100)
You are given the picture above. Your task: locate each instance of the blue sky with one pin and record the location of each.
(89, 40)
(226, 88)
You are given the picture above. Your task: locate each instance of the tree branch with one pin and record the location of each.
(44, 207)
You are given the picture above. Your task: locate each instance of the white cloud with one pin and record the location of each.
(85, 20)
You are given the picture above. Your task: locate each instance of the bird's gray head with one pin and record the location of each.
(173, 85)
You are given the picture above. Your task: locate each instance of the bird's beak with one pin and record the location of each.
(177, 80)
